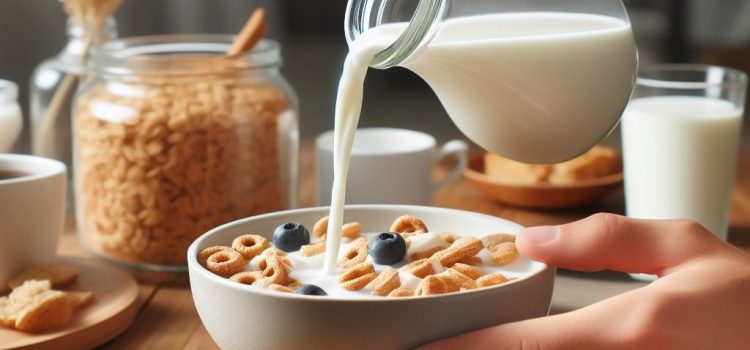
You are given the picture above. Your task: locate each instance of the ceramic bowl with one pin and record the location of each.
(541, 196)
(245, 317)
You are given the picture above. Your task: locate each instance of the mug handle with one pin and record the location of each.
(458, 149)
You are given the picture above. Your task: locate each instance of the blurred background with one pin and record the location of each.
(311, 34)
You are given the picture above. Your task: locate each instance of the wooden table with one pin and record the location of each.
(168, 319)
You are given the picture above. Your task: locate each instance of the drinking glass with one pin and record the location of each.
(681, 135)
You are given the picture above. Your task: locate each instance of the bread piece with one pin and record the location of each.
(598, 162)
(507, 170)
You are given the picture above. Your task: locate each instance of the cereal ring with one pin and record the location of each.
(313, 249)
(321, 227)
(462, 248)
(280, 288)
(247, 277)
(493, 240)
(473, 261)
(205, 253)
(432, 285)
(504, 253)
(275, 273)
(401, 292)
(420, 268)
(250, 245)
(408, 225)
(491, 280)
(425, 253)
(357, 276)
(455, 279)
(349, 230)
(273, 254)
(225, 263)
(448, 237)
(386, 282)
(356, 254)
(472, 271)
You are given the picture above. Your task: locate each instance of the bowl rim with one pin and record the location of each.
(474, 174)
(195, 267)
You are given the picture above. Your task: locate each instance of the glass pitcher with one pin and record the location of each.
(537, 81)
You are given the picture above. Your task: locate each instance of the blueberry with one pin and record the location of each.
(310, 289)
(290, 237)
(387, 248)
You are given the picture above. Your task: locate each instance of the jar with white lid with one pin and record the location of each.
(173, 138)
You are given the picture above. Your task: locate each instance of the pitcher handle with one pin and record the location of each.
(458, 149)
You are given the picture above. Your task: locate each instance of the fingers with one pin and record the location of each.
(607, 241)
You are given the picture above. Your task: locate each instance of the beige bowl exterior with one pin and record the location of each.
(238, 317)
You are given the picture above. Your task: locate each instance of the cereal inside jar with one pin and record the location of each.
(173, 138)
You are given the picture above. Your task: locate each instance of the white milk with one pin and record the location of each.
(537, 87)
(10, 125)
(680, 156)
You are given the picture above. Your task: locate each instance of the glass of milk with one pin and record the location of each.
(10, 115)
(681, 135)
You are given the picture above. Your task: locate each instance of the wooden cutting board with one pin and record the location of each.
(110, 313)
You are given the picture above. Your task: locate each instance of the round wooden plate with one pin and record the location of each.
(112, 311)
(540, 196)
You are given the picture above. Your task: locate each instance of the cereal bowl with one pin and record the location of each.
(238, 316)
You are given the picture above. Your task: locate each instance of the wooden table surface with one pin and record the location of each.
(168, 319)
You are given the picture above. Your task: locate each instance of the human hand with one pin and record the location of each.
(700, 301)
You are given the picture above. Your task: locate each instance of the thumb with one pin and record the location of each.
(608, 241)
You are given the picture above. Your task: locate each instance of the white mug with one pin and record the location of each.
(389, 166)
(32, 211)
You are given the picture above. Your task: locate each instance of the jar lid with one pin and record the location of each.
(180, 55)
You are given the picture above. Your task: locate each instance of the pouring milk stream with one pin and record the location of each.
(539, 87)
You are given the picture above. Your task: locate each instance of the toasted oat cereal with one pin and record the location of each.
(454, 279)
(408, 225)
(205, 253)
(275, 272)
(473, 261)
(225, 262)
(355, 255)
(59, 275)
(493, 240)
(250, 245)
(432, 285)
(247, 277)
(469, 270)
(448, 237)
(357, 276)
(401, 292)
(280, 288)
(349, 230)
(504, 253)
(313, 249)
(420, 268)
(463, 248)
(386, 282)
(491, 280)
(425, 253)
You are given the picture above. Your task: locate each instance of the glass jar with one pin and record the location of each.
(173, 138)
(11, 121)
(53, 86)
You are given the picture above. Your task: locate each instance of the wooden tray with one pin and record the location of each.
(112, 311)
